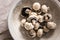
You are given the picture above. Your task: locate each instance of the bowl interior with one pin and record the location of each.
(19, 33)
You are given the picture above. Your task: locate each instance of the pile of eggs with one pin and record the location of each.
(37, 20)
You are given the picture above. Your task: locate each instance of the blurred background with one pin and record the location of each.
(5, 7)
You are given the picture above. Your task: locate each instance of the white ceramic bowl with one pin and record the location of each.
(14, 20)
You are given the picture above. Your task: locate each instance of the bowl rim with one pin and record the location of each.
(9, 15)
